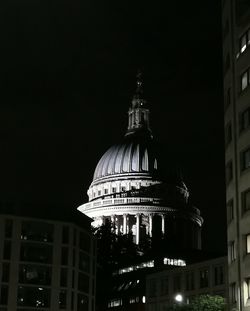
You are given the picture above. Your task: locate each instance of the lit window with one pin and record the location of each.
(244, 41)
(245, 80)
(248, 243)
(245, 159)
(245, 200)
(229, 172)
(248, 287)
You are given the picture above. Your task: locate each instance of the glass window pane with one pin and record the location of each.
(8, 228)
(64, 277)
(4, 295)
(64, 256)
(84, 262)
(82, 302)
(244, 81)
(5, 272)
(37, 231)
(83, 282)
(38, 297)
(34, 274)
(62, 300)
(65, 235)
(7, 250)
(36, 252)
(84, 242)
(248, 243)
(243, 43)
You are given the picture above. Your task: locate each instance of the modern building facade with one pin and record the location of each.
(184, 283)
(46, 264)
(236, 56)
(130, 190)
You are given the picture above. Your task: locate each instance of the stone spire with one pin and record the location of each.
(138, 114)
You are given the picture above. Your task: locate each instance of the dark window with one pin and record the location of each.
(63, 277)
(82, 302)
(244, 119)
(62, 300)
(177, 283)
(228, 134)
(4, 295)
(5, 271)
(226, 63)
(8, 228)
(64, 256)
(74, 257)
(74, 237)
(72, 300)
(83, 282)
(34, 252)
(218, 275)
(245, 159)
(230, 211)
(227, 98)
(84, 262)
(190, 281)
(34, 274)
(229, 172)
(204, 278)
(73, 279)
(65, 235)
(152, 288)
(113, 189)
(37, 231)
(99, 192)
(7, 250)
(33, 297)
(164, 286)
(123, 188)
(245, 200)
(244, 80)
(84, 242)
(105, 191)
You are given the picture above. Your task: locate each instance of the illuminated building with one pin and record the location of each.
(129, 188)
(46, 263)
(236, 56)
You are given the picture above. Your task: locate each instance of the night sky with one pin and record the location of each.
(67, 78)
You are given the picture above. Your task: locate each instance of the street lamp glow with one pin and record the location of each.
(178, 298)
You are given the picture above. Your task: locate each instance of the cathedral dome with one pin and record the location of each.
(136, 154)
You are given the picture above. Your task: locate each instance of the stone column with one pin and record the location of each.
(138, 222)
(124, 223)
(150, 219)
(163, 224)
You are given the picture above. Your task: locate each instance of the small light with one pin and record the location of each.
(178, 298)
(40, 288)
(143, 299)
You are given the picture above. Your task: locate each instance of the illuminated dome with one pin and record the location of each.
(130, 190)
(136, 155)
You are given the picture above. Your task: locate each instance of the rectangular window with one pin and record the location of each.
(113, 189)
(84, 242)
(230, 211)
(63, 277)
(7, 250)
(245, 80)
(177, 283)
(33, 297)
(204, 278)
(152, 288)
(229, 172)
(84, 262)
(65, 234)
(164, 286)
(64, 256)
(227, 100)
(232, 251)
(228, 134)
(233, 292)
(105, 191)
(244, 41)
(245, 200)
(248, 287)
(99, 192)
(190, 281)
(34, 274)
(248, 243)
(245, 159)
(5, 271)
(218, 275)
(244, 119)
(83, 282)
(82, 302)
(36, 252)
(4, 295)
(37, 231)
(8, 228)
(62, 299)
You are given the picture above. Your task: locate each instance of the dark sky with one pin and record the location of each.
(67, 78)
